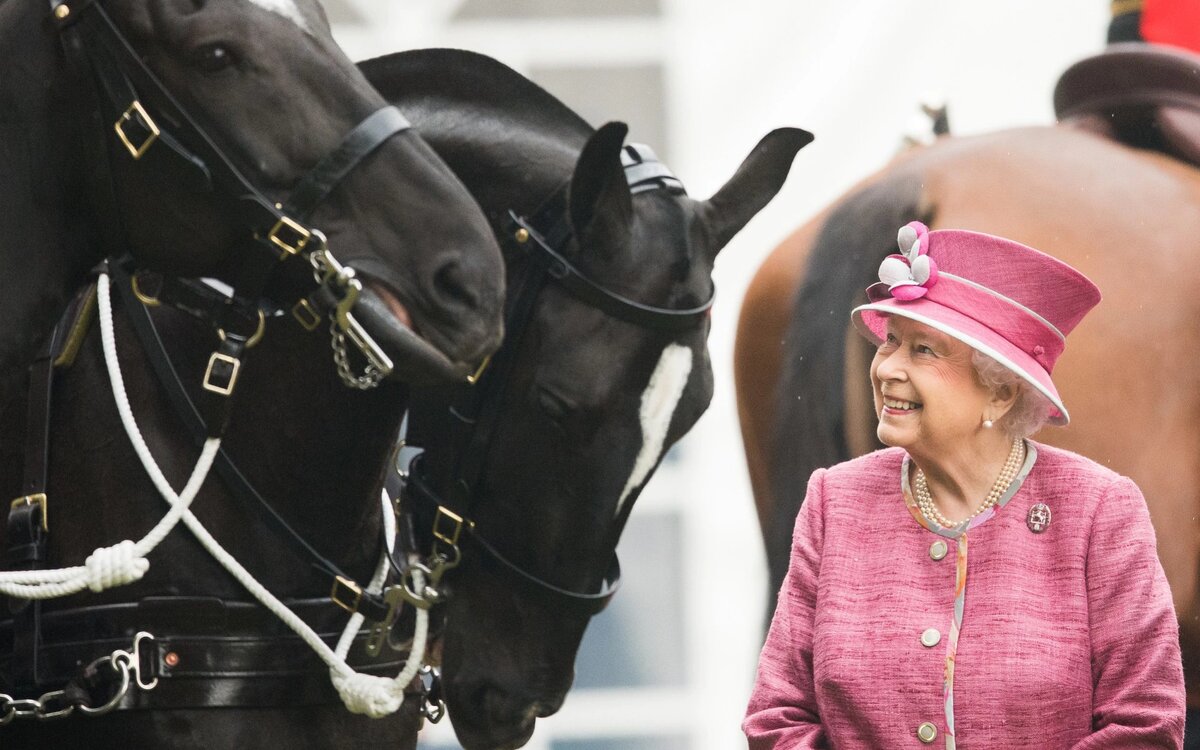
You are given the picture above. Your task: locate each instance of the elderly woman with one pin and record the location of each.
(967, 584)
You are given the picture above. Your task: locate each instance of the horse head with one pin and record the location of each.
(586, 395)
(253, 98)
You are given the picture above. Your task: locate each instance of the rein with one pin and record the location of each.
(542, 239)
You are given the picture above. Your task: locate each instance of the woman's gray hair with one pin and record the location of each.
(1031, 410)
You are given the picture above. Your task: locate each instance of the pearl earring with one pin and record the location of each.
(987, 424)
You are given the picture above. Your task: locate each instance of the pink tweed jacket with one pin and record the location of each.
(889, 633)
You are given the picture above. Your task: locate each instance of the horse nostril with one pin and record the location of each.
(451, 284)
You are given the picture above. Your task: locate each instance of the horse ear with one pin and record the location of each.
(754, 184)
(600, 206)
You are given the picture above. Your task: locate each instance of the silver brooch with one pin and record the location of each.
(1038, 518)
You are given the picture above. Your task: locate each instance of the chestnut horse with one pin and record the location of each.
(1129, 219)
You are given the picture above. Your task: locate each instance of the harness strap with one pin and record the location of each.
(207, 653)
(643, 170)
(359, 143)
(426, 505)
(193, 416)
(28, 520)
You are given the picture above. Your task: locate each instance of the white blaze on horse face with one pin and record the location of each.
(287, 9)
(658, 406)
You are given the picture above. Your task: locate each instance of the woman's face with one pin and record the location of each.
(926, 393)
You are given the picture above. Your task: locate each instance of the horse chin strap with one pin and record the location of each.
(278, 232)
(126, 562)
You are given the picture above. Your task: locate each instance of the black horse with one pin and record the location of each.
(604, 366)
(180, 199)
(273, 95)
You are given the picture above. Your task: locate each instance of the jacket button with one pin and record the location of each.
(927, 733)
(931, 638)
(937, 550)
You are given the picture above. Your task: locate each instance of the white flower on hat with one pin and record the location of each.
(910, 274)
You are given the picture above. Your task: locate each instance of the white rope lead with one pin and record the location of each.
(362, 693)
(126, 561)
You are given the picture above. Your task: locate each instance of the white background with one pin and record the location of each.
(853, 73)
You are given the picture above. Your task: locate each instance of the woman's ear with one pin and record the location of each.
(1002, 401)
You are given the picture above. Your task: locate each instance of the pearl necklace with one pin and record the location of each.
(1016, 457)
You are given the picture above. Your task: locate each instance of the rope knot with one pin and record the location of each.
(368, 694)
(115, 566)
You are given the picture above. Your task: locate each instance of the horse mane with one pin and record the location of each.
(439, 77)
(858, 234)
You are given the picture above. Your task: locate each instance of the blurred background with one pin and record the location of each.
(669, 665)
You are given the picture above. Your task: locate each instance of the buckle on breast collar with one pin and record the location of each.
(346, 594)
(289, 236)
(448, 525)
(137, 113)
(222, 373)
(38, 499)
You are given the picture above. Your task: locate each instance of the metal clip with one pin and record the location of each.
(39, 499)
(367, 346)
(225, 388)
(393, 596)
(135, 663)
(137, 110)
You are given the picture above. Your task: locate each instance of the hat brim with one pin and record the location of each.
(870, 320)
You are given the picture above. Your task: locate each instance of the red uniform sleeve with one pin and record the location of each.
(783, 710)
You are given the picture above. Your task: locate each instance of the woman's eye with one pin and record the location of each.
(212, 58)
(924, 349)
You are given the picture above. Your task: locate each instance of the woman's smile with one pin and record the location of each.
(899, 406)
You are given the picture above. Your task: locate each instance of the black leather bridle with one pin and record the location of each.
(542, 238)
(155, 131)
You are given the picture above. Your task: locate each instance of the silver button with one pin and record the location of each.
(938, 549)
(927, 733)
(931, 638)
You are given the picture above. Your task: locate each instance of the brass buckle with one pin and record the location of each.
(306, 315)
(39, 499)
(341, 584)
(450, 537)
(292, 245)
(226, 389)
(127, 116)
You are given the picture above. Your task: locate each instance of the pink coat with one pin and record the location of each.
(1068, 637)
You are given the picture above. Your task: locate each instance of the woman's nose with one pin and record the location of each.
(890, 366)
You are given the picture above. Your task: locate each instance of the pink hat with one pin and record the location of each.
(1004, 299)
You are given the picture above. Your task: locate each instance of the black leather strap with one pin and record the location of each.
(206, 653)
(359, 143)
(423, 502)
(27, 529)
(592, 294)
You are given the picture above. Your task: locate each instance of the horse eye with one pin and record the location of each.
(212, 58)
